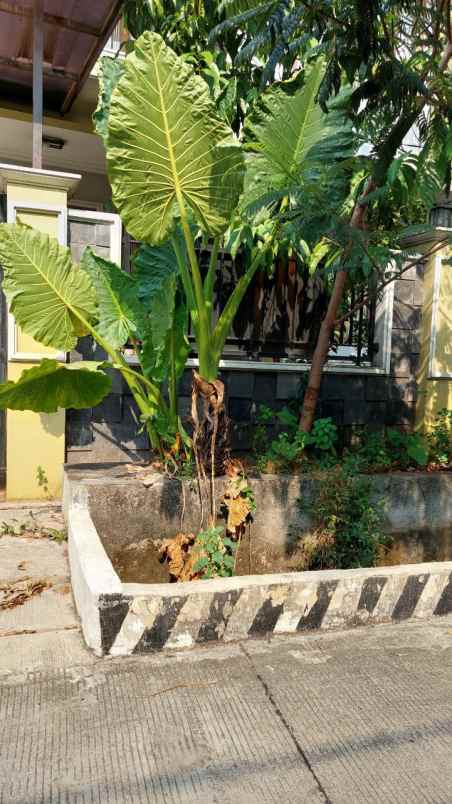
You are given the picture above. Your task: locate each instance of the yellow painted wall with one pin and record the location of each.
(435, 393)
(34, 439)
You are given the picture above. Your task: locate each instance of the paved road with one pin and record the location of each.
(359, 716)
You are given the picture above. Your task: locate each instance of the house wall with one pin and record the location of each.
(435, 373)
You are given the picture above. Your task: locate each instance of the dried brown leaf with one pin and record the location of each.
(238, 511)
(176, 553)
(17, 593)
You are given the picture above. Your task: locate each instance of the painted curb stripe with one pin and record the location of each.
(221, 608)
(113, 610)
(157, 635)
(313, 618)
(141, 625)
(266, 617)
(445, 602)
(370, 593)
(409, 598)
(388, 599)
(185, 630)
(431, 595)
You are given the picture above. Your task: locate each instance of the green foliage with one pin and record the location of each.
(51, 385)
(292, 448)
(324, 434)
(373, 454)
(440, 438)
(216, 553)
(121, 315)
(407, 448)
(164, 341)
(169, 148)
(347, 523)
(30, 527)
(51, 299)
(42, 479)
(110, 71)
(384, 450)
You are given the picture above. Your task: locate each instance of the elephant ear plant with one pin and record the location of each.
(176, 172)
(175, 166)
(173, 162)
(57, 301)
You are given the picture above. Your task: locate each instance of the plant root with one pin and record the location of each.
(210, 437)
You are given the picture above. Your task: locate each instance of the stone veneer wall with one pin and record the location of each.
(352, 398)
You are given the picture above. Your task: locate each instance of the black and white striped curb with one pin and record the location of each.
(151, 622)
(120, 619)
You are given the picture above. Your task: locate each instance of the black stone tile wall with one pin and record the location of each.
(354, 400)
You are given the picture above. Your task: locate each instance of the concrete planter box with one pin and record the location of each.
(122, 618)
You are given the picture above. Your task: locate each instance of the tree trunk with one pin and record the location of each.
(322, 348)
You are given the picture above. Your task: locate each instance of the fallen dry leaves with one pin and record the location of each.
(18, 592)
(176, 552)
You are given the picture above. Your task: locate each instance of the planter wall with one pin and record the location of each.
(122, 618)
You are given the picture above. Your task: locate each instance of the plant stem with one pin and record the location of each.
(224, 323)
(210, 278)
(172, 381)
(204, 329)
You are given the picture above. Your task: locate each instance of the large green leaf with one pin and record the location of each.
(289, 136)
(110, 71)
(155, 270)
(46, 291)
(167, 146)
(120, 312)
(51, 385)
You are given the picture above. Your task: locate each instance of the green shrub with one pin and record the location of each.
(440, 439)
(393, 449)
(347, 529)
(216, 553)
(407, 448)
(292, 447)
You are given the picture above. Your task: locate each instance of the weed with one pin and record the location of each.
(32, 529)
(347, 523)
(42, 480)
(293, 448)
(216, 553)
(407, 448)
(439, 440)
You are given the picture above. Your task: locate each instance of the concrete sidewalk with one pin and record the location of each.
(350, 717)
(345, 717)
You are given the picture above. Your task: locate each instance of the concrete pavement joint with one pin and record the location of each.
(286, 725)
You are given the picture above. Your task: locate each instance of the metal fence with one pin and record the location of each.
(280, 316)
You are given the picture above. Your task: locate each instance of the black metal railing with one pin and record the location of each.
(280, 316)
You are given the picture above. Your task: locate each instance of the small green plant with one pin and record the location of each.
(31, 528)
(42, 480)
(288, 450)
(380, 451)
(324, 435)
(264, 417)
(14, 528)
(372, 454)
(407, 448)
(440, 439)
(216, 553)
(347, 523)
